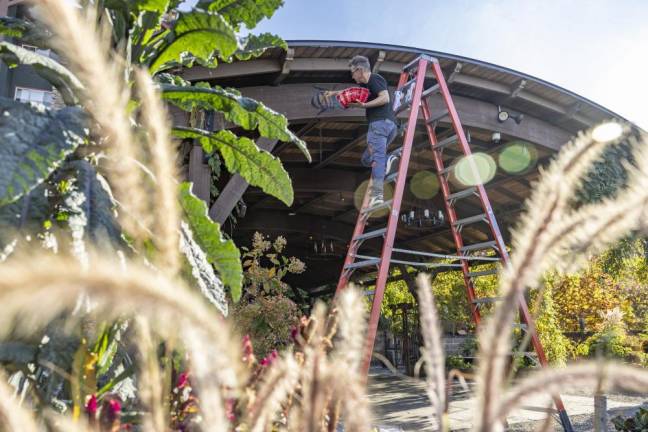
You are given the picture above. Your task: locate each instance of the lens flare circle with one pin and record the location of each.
(359, 194)
(517, 157)
(424, 185)
(607, 132)
(477, 168)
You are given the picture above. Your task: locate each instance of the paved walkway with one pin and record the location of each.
(401, 404)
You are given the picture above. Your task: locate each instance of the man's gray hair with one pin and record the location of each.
(360, 62)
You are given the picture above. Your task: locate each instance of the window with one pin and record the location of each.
(34, 95)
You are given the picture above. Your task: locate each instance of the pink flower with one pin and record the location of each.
(182, 379)
(268, 360)
(229, 410)
(114, 408)
(91, 406)
(248, 351)
(294, 331)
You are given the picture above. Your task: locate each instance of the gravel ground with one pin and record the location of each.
(585, 422)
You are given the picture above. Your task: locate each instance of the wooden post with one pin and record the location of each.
(199, 174)
(235, 189)
(600, 412)
(4, 7)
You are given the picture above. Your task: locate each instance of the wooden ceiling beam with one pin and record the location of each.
(293, 100)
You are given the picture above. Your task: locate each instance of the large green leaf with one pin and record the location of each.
(24, 215)
(255, 45)
(243, 111)
(197, 37)
(34, 142)
(58, 75)
(26, 31)
(200, 270)
(134, 7)
(95, 202)
(222, 253)
(248, 12)
(242, 156)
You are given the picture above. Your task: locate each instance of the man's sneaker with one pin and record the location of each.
(375, 201)
(392, 163)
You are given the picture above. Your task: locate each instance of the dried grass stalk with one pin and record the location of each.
(534, 251)
(611, 376)
(170, 306)
(13, 417)
(433, 350)
(150, 381)
(165, 203)
(279, 382)
(345, 370)
(88, 53)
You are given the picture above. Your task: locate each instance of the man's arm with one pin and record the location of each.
(382, 99)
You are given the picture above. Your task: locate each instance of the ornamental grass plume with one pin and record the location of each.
(554, 233)
(106, 97)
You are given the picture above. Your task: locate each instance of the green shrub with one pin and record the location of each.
(457, 362)
(637, 423)
(610, 341)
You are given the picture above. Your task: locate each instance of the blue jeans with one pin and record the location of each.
(380, 134)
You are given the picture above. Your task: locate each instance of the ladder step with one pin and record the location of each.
(370, 234)
(471, 220)
(462, 194)
(447, 170)
(429, 92)
(437, 117)
(479, 246)
(445, 142)
(384, 205)
(486, 300)
(359, 264)
(482, 273)
(540, 409)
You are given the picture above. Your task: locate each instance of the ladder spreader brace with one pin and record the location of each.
(411, 96)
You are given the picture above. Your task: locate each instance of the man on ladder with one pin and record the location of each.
(382, 125)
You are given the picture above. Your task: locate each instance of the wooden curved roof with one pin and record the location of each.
(324, 189)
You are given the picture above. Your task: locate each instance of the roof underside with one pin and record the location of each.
(326, 191)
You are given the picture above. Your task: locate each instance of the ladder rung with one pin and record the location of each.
(432, 90)
(437, 117)
(445, 142)
(462, 194)
(479, 246)
(471, 220)
(385, 204)
(408, 83)
(414, 62)
(448, 169)
(540, 409)
(359, 264)
(486, 300)
(482, 273)
(371, 234)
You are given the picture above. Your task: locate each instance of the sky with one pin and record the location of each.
(595, 48)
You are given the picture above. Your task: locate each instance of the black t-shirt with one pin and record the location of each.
(375, 85)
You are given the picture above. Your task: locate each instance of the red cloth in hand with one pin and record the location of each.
(352, 95)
